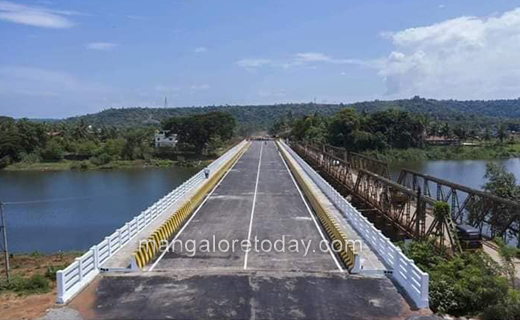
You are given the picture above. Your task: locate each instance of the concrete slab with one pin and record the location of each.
(250, 295)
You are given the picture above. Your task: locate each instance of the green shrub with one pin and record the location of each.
(33, 157)
(52, 152)
(100, 160)
(83, 165)
(50, 273)
(508, 309)
(35, 284)
(470, 284)
(5, 161)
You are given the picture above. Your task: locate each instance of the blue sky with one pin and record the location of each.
(61, 58)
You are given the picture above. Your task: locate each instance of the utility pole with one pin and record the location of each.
(4, 247)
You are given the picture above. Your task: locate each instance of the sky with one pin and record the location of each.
(61, 58)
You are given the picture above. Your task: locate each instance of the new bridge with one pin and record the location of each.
(263, 236)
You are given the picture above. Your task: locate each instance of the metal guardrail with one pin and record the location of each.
(81, 272)
(414, 281)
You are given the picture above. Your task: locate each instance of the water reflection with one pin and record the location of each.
(80, 208)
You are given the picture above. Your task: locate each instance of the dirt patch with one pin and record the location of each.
(84, 302)
(22, 305)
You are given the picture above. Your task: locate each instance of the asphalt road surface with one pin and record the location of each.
(257, 201)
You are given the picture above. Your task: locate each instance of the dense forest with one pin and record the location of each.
(261, 117)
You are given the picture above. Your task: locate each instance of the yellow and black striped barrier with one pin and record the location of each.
(149, 247)
(342, 246)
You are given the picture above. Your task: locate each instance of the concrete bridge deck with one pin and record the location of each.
(257, 199)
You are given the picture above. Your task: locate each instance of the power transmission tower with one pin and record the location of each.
(3, 244)
(165, 102)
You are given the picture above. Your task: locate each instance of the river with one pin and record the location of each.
(466, 172)
(73, 210)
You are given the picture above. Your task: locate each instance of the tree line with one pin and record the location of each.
(250, 118)
(381, 130)
(30, 142)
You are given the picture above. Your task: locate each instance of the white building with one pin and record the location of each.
(165, 139)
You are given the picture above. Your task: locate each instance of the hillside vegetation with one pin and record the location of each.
(262, 117)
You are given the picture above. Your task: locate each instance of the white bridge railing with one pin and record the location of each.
(404, 271)
(82, 271)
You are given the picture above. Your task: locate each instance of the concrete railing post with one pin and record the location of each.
(95, 252)
(80, 269)
(60, 286)
(425, 280)
(109, 244)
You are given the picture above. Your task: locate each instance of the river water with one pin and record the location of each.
(466, 172)
(73, 210)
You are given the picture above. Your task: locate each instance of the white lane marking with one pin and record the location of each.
(311, 214)
(254, 203)
(194, 213)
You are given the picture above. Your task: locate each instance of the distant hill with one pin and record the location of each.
(253, 117)
(261, 117)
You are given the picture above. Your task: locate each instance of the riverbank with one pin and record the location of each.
(118, 164)
(448, 153)
(32, 289)
(190, 160)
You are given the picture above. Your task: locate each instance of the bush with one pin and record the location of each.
(5, 161)
(50, 273)
(101, 159)
(33, 157)
(114, 147)
(35, 284)
(83, 165)
(509, 309)
(469, 284)
(86, 148)
(52, 152)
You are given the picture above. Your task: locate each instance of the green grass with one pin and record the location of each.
(87, 165)
(40, 166)
(24, 286)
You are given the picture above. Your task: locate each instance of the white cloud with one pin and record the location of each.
(253, 63)
(200, 87)
(275, 93)
(441, 6)
(35, 16)
(298, 59)
(166, 89)
(200, 50)
(101, 46)
(462, 58)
